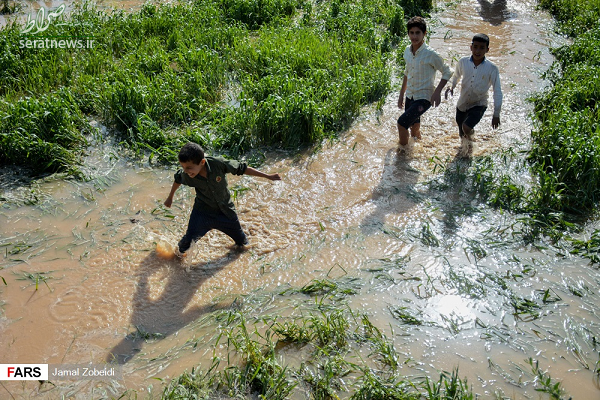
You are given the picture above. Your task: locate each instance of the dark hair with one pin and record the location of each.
(191, 152)
(482, 37)
(418, 22)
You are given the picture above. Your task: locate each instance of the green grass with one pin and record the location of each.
(448, 387)
(35, 278)
(566, 140)
(341, 354)
(589, 248)
(545, 383)
(231, 75)
(574, 16)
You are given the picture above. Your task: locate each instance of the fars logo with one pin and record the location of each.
(23, 372)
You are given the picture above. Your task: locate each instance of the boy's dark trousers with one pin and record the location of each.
(202, 221)
(471, 117)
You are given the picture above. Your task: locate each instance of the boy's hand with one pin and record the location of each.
(274, 177)
(495, 122)
(169, 199)
(400, 101)
(451, 93)
(436, 98)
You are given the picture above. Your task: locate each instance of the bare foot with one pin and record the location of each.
(466, 148)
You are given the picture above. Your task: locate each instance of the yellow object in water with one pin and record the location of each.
(165, 250)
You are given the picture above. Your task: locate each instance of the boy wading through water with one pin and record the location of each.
(422, 62)
(478, 75)
(213, 207)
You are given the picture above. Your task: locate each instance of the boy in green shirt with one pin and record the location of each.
(213, 207)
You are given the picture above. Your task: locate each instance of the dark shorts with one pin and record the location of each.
(202, 221)
(413, 109)
(471, 117)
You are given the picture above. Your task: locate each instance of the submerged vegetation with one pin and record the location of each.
(324, 350)
(230, 75)
(328, 338)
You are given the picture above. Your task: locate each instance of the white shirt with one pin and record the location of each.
(420, 72)
(475, 84)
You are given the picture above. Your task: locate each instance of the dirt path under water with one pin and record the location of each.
(351, 204)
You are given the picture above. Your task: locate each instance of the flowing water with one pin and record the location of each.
(353, 208)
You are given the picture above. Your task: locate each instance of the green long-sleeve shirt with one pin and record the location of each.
(212, 192)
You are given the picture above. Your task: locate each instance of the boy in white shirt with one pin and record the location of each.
(422, 62)
(478, 75)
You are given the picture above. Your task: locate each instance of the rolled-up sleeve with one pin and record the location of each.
(457, 74)
(441, 66)
(234, 167)
(178, 177)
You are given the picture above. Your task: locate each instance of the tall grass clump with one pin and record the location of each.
(231, 74)
(256, 13)
(574, 16)
(46, 133)
(565, 152)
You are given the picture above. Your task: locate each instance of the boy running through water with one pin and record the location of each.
(422, 62)
(213, 207)
(478, 75)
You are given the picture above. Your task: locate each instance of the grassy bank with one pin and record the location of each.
(228, 74)
(565, 153)
(566, 142)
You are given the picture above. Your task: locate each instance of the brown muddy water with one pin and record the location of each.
(354, 208)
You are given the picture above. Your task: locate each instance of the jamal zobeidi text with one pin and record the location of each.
(80, 372)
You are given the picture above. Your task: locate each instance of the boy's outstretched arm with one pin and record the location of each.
(255, 172)
(169, 199)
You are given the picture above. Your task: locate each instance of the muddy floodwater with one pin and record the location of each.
(82, 278)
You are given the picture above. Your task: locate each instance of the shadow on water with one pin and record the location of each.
(454, 193)
(156, 317)
(13, 178)
(495, 12)
(398, 177)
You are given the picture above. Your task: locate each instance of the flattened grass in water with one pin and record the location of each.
(328, 338)
(485, 179)
(36, 278)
